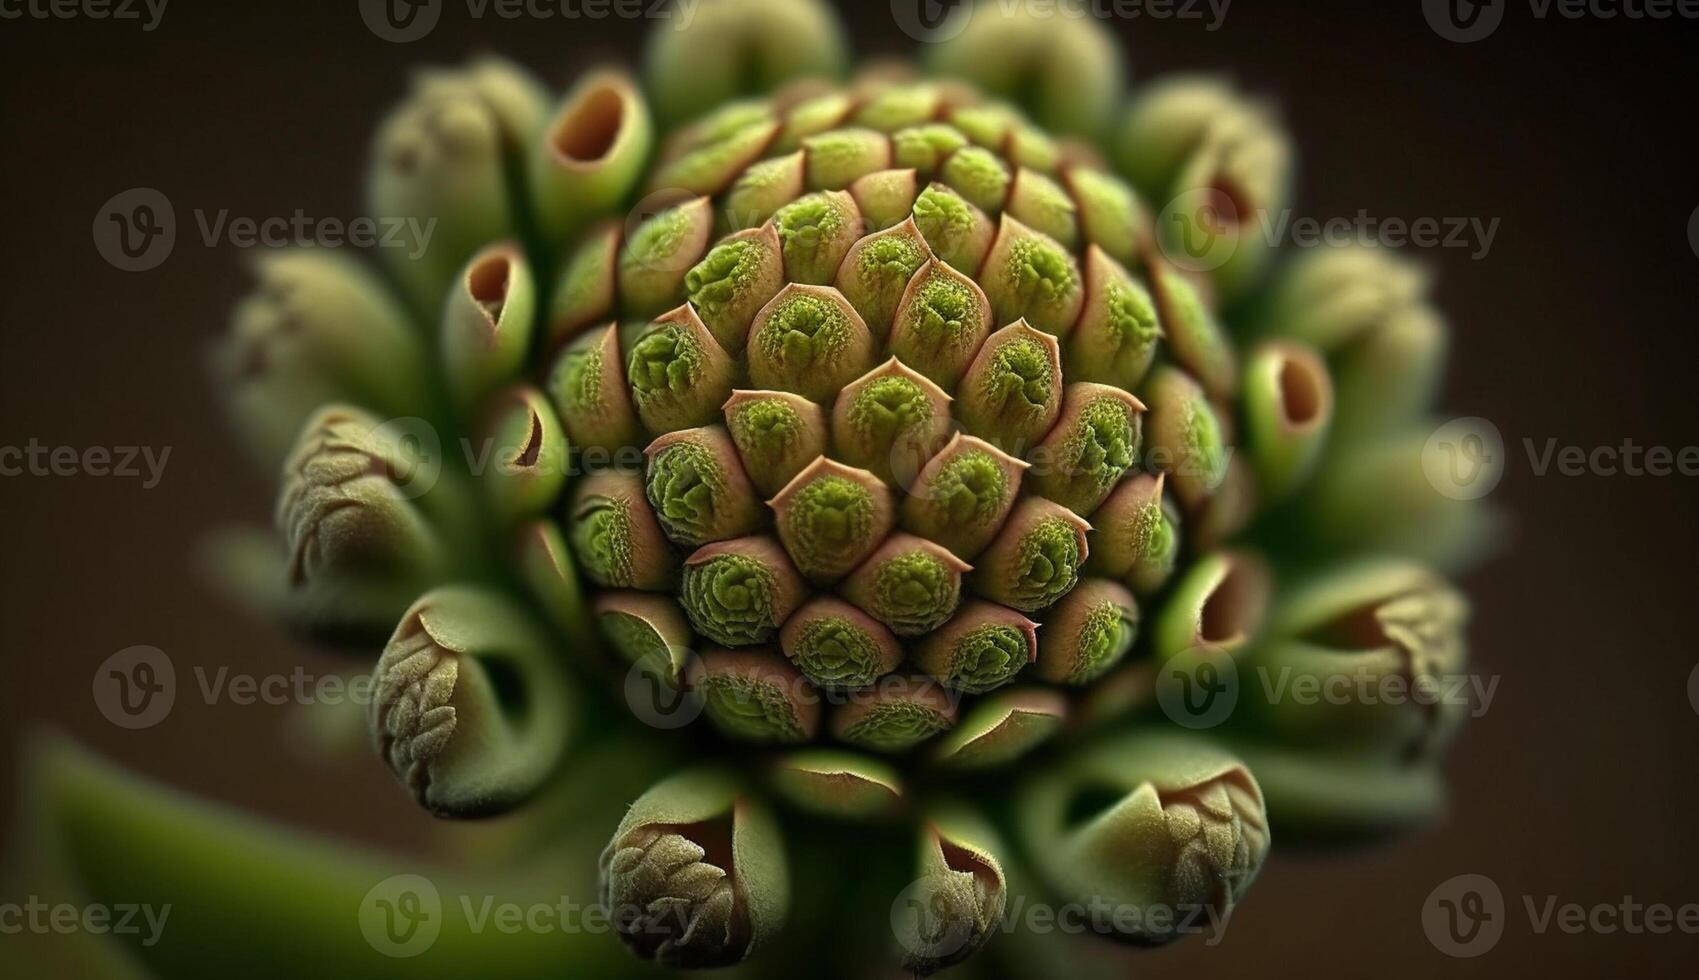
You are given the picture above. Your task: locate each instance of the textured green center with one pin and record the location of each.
(1048, 563)
(718, 280)
(729, 599)
(750, 709)
(1040, 272)
(888, 407)
(831, 516)
(1104, 637)
(970, 488)
(986, 658)
(601, 538)
(769, 425)
(1106, 443)
(806, 332)
(1020, 378)
(664, 360)
(915, 592)
(895, 726)
(837, 654)
(685, 485)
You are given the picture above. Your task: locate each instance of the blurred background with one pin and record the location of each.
(1577, 324)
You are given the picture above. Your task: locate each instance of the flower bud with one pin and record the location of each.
(523, 455)
(1094, 442)
(698, 488)
(465, 739)
(877, 270)
(959, 233)
(907, 103)
(1196, 337)
(839, 785)
(1333, 296)
(1012, 392)
(898, 713)
(1135, 535)
(910, 584)
(979, 176)
(1171, 121)
(714, 156)
(890, 420)
(838, 157)
(925, 147)
(957, 901)
(831, 517)
(741, 47)
(885, 198)
(738, 277)
(763, 189)
(1217, 606)
(1338, 795)
(1042, 205)
(940, 322)
(738, 593)
(755, 695)
(816, 232)
(591, 155)
(660, 253)
(487, 322)
(646, 628)
(615, 536)
(1185, 436)
(1288, 408)
(589, 390)
(679, 376)
(1166, 824)
(808, 340)
(1002, 728)
(1116, 337)
(544, 561)
(1390, 377)
(1064, 69)
(777, 433)
(981, 648)
(695, 875)
(1112, 217)
(837, 646)
(1036, 557)
(1087, 633)
(584, 293)
(1028, 275)
(963, 495)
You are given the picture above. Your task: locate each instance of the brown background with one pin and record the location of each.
(1579, 325)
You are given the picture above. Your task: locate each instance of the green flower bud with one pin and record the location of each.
(1333, 296)
(958, 232)
(440, 162)
(696, 875)
(1363, 627)
(1198, 340)
(738, 593)
(738, 277)
(1094, 442)
(724, 123)
(981, 648)
(1087, 633)
(987, 124)
(877, 270)
(900, 106)
(1170, 121)
(679, 375)
(1288, 402)
(588, 387)
(819, 113)
(646, 628)
(957, 901)
(524, 454)
(1116, 337)
(1112, 216)
(963, 495)
(763, 189)
(837, 158)
(809, 340)
(1042, 205)
(1217, 606)
(1012, 392)
(1186, 441)
(899, 713)
(836, 784)
(660, 253)
(584, 293)
(1390, 377)
(831, 517)
(755, 695)
(777, 433)
(1029, 276)
(740, 47)
(926, 147)
(885, 197)
(1334, 796)
(1135, 535)
(698, 488)
(1063, 69)
(979, 176)
(591, 155)
(816, 231)
(469, 707)
(1002, 728)
(1167, 824)
(711, 165)
(616, 537)
(1036, 557)
(890, 421)
(940, 322)
(487, 323)
(318, 327)
(910, 584)
(545, 563)
(837, 646)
